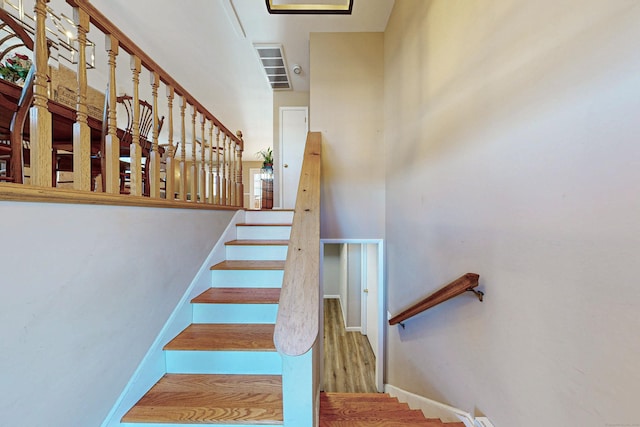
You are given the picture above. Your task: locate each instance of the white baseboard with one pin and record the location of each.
(332, 297)
(431, 408)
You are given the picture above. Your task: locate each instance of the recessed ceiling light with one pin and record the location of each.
(327, 7)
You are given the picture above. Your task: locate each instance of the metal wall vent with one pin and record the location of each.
(274, 65)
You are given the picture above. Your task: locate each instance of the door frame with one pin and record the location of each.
(280, 148)
(381, 309)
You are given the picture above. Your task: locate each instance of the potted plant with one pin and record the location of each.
(266, 202)
(267, 158)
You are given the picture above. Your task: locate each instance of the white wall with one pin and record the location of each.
(85, 290)
(511, 134)
(331, 269)
(346, 92)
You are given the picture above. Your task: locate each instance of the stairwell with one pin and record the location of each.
(224, 370)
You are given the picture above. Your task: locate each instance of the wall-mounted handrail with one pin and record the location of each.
(298, 322)
(459, 286)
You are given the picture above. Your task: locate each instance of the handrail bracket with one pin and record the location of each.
(479, 294)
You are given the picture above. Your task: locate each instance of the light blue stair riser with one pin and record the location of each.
(223, 362)
(190, 425)
(267, 232)
(268, 217)
(246, 278)
(235, 313)
(256, 252)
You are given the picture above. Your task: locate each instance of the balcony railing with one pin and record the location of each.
(116, 140)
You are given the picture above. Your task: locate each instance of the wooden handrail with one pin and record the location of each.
(453, 289)
(298, 321)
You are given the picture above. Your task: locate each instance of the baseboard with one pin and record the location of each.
(332, 297)
(431, 408)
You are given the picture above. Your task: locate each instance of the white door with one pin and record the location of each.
(294, 125)
(370, 273)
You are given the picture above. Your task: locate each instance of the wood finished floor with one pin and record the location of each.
(349, 363)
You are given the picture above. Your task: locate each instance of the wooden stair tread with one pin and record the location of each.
(212, 399)
(238, 296)
(246, 224)
(249, 265)
(371, 410)
(257, 242)
(224, 337)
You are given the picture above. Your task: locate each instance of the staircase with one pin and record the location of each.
(223, 369)
(371, 410)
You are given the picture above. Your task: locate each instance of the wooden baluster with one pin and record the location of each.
(218, 199)
(135, 151)
(112, 144)
(171, 152)
(183, 152)
(210, 174)
(194, 175)
(40, 117)
(154, 173)
(239, 185)
(223, 193)
(229, 170)
(81, 130)
(232, 172)
(203, 196)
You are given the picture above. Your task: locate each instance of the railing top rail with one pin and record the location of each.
(107, 27)
(298, 322)
(459, 286)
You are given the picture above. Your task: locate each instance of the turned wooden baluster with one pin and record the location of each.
(194, 142)
(239, 185)
(223, 193)
(171, 151)
(135, 151)
(183, 152)
(203, 196)
(112, 144)
(210, 197)
(81, 130)
(232, 172)
(154, 173)
(39, 115)
(218, 199)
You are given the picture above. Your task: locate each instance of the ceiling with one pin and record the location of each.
(207, 46)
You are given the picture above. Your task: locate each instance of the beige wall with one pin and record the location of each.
(346, 104)
(511, 133)
(283, 99)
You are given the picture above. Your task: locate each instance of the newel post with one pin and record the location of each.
(39, 115)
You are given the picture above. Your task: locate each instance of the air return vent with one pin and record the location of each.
(275, 67)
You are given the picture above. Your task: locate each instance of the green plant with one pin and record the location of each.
(15, 68)
(266, 155)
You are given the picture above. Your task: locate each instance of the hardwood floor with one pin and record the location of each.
(349, 363)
